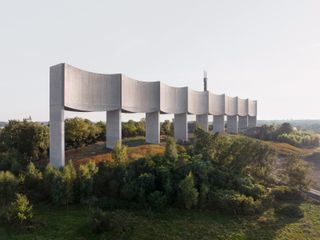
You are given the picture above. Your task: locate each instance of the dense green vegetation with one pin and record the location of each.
(226, 175)
(285, 133)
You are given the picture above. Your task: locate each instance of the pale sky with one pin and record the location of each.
(265, 50)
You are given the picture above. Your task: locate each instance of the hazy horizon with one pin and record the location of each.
(264, 50)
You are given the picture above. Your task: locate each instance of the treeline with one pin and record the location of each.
(31, 139)
(285, 133)
(230, 173)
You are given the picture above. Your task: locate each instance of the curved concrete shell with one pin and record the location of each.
(216, 104)
(231, 106)
(87, 91)
(197, 102)
(252, 108)
(78, 90)
(243, 107)
(173, 100)
(140, 97)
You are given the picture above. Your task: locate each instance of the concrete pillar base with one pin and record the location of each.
(232, 124)
(202, 121)
(252, 122)
(243, 123)
(218, 123)
(181, 127)
(153, 127)
(113, 128)
(57, 157)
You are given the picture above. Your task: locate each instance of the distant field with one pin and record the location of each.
(71, 223)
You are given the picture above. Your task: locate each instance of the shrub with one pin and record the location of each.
(295, 173)
(284, 193)
(120, 153)
(8, 187)
(98, 221)
(157, 200)
(49, 173)
(32, 182)
(80, 132)
(188, 193)
(63, 185)
(290, 210)
(84, 180)
(171, 152)
(232, 201)
(20, 211)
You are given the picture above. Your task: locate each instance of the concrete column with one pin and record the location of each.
(243, 123)
(202, 121)
(232, 124)
(218, 123)
(252, 122)
(113, 128)
(57, 158)
(181, 127)
(153, 127)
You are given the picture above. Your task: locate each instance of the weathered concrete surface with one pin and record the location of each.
(202, 121)
(181, 127)
(252, 122)
(218, 123)
(243, 123)
(153, 127)
(232, 124)
(57, 157)
(113, 128)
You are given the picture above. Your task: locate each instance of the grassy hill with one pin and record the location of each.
(71, 223)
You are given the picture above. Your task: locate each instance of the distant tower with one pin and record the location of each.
(205, 81)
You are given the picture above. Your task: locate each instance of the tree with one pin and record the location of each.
(295, 173)
(32, 182)
(166, 128)
(20, 211)
(285, 128)
(8, 187)
(120, 153)
(29, 138)
(188, 193)
(171, 152)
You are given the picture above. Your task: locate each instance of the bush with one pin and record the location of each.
(98, 221)
(8, 187)
(80, 132)
(120, 153)
(33, 182)
(171, 152)
(232, 201)
(62, 189)
(157, 200)
(188, 193)
(290, 210)
(284, 193)
(84, 180)
(20, 211)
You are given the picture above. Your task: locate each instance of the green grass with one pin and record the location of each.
(71, 223)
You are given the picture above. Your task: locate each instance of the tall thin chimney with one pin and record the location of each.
(205, 81)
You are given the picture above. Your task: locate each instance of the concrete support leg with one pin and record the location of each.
(202, 121)
(113, 128)
(153, 127)
(57, 158)
(232, 124)
(252, 122)
(218, 123)
(243, 123)
(181, 127)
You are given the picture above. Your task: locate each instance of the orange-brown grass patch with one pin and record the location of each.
(285, 149)
(97, 153)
